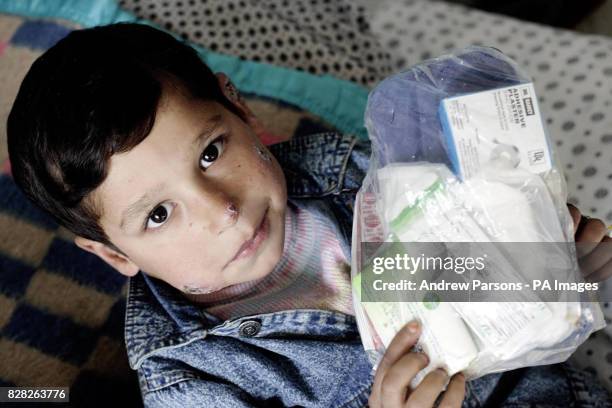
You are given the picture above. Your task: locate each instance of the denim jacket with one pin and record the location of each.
(186, 357)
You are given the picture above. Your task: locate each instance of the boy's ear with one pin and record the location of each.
(117, 260)
(233, 95)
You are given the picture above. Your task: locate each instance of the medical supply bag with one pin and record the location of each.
(463, 174)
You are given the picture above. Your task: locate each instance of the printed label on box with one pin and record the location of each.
(498, 123)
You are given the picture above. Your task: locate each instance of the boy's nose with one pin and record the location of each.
(230, 216)
(217, 211)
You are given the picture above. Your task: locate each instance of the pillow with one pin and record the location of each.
(339, 102)
(317, 37)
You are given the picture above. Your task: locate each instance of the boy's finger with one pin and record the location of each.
(601, 274)
(597, 259)
(455, 392)
(589, 234)
(401, 343)
(396, 381)
(428, 390)
(575, 213)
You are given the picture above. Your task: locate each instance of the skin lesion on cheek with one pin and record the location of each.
(261, 152)
(266, 164)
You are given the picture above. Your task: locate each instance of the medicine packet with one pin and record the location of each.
(460, 156)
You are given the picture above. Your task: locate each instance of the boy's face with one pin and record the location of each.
(199, 203)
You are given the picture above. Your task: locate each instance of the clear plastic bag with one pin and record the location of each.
(460, 154)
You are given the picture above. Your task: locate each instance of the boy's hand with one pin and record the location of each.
(398, 367)
(595, 249)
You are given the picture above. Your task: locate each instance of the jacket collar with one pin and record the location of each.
(314, 164)
(157, 315)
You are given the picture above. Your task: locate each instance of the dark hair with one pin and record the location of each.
(93, 94)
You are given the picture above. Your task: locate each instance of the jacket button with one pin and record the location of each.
(249, 328)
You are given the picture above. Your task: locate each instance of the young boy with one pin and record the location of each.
(238, 255)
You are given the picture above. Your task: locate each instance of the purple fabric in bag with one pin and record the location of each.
(402, 111)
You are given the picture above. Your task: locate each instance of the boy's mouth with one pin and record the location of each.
(249, 247)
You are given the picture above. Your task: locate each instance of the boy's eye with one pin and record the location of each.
(212, 152)
(159, 215)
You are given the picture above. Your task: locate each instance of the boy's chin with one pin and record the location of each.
(260, 264)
